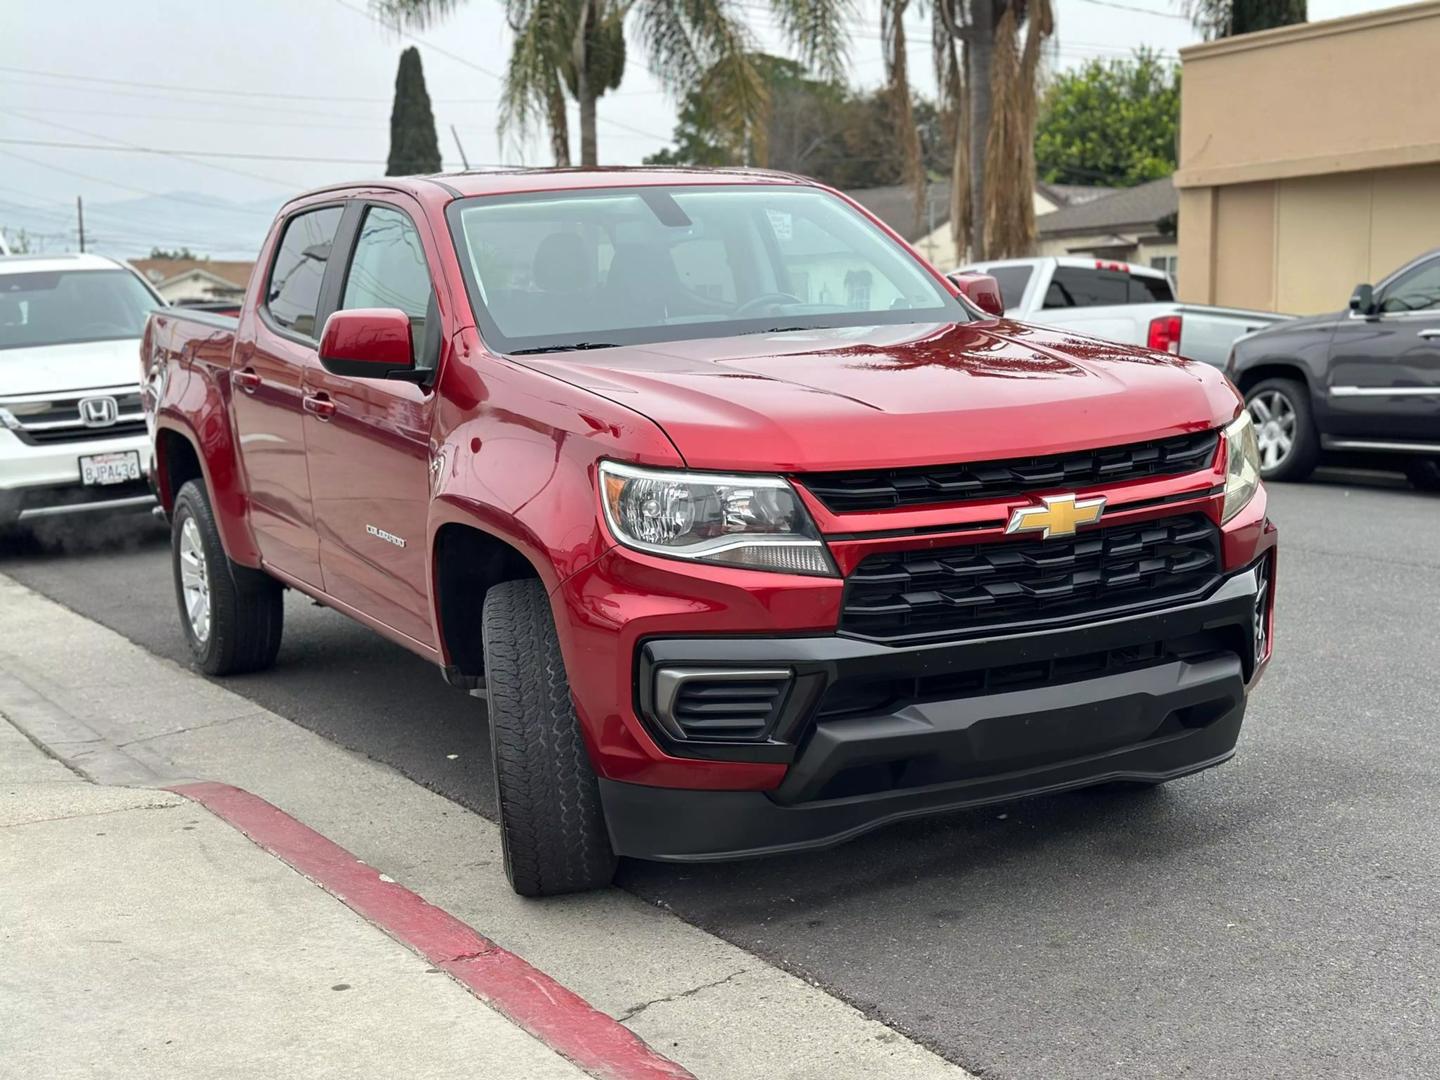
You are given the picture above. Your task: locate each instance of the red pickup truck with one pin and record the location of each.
(757, 532)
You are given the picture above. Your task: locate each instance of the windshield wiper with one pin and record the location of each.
(564, 348)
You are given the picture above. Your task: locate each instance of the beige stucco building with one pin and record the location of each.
(1309, 159)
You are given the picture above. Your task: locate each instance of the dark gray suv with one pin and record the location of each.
(1360, 385)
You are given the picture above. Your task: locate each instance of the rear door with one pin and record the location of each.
(272, 353)
(369, 440)
(1384, 380)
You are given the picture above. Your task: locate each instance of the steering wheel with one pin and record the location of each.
(755, 303)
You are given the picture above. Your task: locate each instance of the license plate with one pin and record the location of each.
(118, 468)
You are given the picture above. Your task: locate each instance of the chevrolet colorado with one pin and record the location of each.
(72, 434)
(1119, 301)
(757, 532)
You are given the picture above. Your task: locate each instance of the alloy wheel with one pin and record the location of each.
(195, 580)
(1275, 424)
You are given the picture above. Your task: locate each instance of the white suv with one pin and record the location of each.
(72, 433)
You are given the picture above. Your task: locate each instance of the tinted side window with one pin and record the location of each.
(388, 270)
(1075, 286)
(1012, 281)
(1419, 290)
(1149, 290)
(293, 292)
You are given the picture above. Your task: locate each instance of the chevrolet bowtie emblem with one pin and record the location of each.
(1060, 516)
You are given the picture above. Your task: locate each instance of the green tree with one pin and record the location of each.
(1226, 18)
(175, 254)
(413, 146)
(577, 47)
(815, 127)
(1110, 122)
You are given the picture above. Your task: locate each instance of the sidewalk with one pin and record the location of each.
(140, 935)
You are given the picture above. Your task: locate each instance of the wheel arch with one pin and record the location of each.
(179, 458)
(466, 562)
(1251, 377)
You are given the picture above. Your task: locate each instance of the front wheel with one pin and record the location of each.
(552, 826)
(232, 615)
(1284, 428)
(1424, 473)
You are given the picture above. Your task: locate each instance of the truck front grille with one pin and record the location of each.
(850, 492)
(1012, 585)
(43, 419)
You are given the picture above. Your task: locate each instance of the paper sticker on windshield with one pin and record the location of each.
(780, 223)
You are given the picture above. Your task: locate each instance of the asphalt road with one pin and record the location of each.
(1275, 917)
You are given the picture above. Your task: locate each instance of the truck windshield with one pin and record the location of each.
(67, 306)
(595, 268)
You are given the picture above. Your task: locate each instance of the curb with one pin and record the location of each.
(556, 1016)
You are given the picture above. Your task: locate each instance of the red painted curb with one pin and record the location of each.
(558, 1017)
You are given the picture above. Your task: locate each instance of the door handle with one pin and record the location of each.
(246, 379)
(319, 405)
(1427, 334)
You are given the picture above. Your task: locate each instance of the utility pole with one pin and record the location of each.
(80, 215)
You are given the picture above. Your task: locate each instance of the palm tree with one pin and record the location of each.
(577, 47)
(986, 75)
(1225, 18)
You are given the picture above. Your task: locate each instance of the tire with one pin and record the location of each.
(1271, 402)
(1424, 473)
(243, 609)
(552, 826)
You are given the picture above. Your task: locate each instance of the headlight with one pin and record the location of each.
(756, 522)
(1242, 465)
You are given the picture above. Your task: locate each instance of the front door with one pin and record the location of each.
(1385, 369)
(369, 442)
(266, 384)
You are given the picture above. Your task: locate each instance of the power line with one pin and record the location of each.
(127, 148)
(120, 143)
(172, 197)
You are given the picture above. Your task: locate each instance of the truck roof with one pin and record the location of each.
(513, 180)
(29, 264)
(1084, 262)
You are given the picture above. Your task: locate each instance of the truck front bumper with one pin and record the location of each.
(1144, 698)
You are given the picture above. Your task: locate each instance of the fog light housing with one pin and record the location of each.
(697, 704)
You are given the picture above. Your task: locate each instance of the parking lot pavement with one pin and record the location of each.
(141, 936)
(1273, 917)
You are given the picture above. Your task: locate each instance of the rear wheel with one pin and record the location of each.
(1284, 428)
(232, 615)
(1424, 473)
(552, 827)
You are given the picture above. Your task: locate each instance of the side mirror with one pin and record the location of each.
(368, 343)
(1362, 301)
(982, 290)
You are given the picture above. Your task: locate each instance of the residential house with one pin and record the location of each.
(895, 205)
(190, 280)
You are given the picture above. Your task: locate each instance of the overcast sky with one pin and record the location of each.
(287, 80)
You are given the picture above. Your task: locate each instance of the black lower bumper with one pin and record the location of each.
(1171, 701)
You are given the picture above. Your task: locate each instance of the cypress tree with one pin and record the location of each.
(413, 146)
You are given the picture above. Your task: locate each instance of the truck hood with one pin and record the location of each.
(83, 365)
(892, 396)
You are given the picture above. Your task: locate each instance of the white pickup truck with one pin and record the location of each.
(1119, 301)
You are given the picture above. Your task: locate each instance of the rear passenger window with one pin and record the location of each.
(293, 293)
(1150, 290)
(388, 270)
(1076, 286)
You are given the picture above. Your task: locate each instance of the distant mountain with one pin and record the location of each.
(129, 228)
